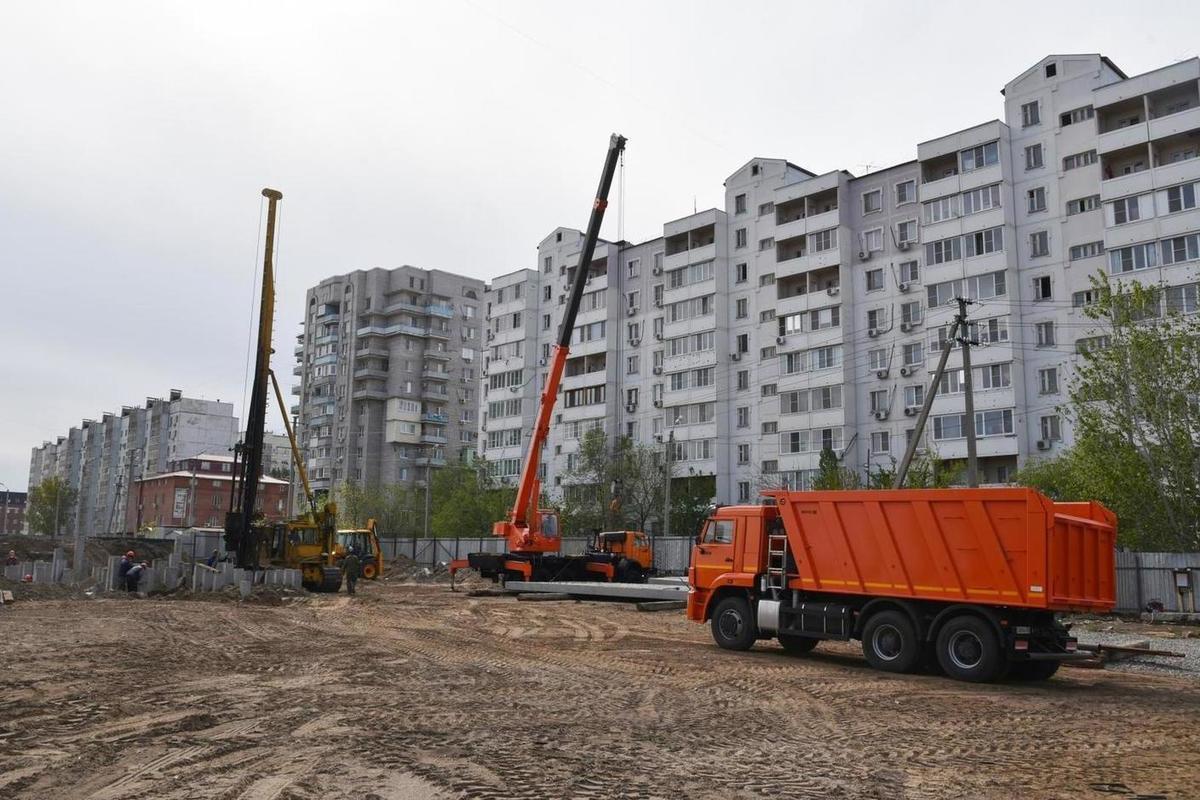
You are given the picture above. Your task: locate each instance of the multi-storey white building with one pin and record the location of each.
(388, 367)
(810, 313)
(102, 458)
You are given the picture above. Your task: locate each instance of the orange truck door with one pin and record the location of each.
(714, 551)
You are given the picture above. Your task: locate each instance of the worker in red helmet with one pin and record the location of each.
(123, 572)
(12, 560)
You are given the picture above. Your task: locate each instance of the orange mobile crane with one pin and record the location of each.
(532, 533)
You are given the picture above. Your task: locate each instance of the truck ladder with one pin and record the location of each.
(777, 556)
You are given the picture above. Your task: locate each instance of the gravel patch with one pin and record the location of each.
(1186, 667)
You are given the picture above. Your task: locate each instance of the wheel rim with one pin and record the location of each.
(965, 649)
(730, 624)
(887, 642)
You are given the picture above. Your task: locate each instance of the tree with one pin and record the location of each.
(640, 478)
(397, 510)
(927, 472)
(832, 475)
(1134, 405)
(691, 501)
(467, 500)
(51, 504)
(587, 492)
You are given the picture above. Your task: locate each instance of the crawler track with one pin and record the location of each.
(414, 692)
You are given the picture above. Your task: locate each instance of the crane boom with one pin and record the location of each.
(522, 528)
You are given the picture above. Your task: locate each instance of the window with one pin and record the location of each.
(1079, 160)
(633, 267)
(1051, 428)
(879, 400)
(1048, 380)
(545, 322)
(742, 308)
(909, 271)
(768, 390)
(632, 365)
(743, 380)
(1126, 210)
(1085, 298)
(980, 287)
(914, 354)
(987, 423)
(740, 273)
(547, 264)
(1037, 199)
(739, 237)
(743, 416)
(739, 204)
(718, 531)
(1051, 70)
(516, 320)
(632, 298)
(872, 201)
(743, 486)
(1033, 157)
(1031, 114)
(943, 208)
(979, 157)
(1183, 299)
(766, 208)
(876, 319)
(910, 312)
(767, 315)
(767, 279)
(1042, 288)
(880, 442)
(691, 274)
(823, 240)
(1083, 204)
(914, 396)
(1039, 244)
(766, 244)
(986, 241)
(1076, 116)
(872, 240)
(874, 279)
(1180, 249)
(634, 330)
(1181, 198)
(877, 358)
(743, 343)
(1045, 334)
(906, 192)
(944, 250)
(906, 232)
(1128, 259)
(1086, 250)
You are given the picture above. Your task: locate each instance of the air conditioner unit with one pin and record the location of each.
(1043, 444)
(780, 340)
(658, 403)
(863, 255)
(631, 311)
(658, 336)
(634, 342)
(735, 356)
(658, 303)
(873, 332)
(832, 291)
(658, 370)
(903, 287)
(541, 362)
(656, 271)
(881, 373)
(911, 411)
(631, 407)
(491, 335)
(904, 244)
(906, 371)
(881, 414)
(905, 327)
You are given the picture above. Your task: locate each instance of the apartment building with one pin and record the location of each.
(810, 312)
(197, 492)
(388, 364)
(101, 459)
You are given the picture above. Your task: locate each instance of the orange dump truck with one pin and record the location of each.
(968, 579)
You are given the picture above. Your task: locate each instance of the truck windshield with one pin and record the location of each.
(718, 531)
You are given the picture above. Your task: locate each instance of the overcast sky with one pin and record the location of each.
(135, 139)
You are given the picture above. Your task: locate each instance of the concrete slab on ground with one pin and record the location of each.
(597, 589)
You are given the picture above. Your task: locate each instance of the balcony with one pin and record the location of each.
(298, 370)
(296, 389)
(437, 333)
(430, 461)
(370, 393)
(439, 355)
(437, 392)
(438, 310)
(295, 410)
(692, 245)
(366, 351)
(370, 372)
(434, 416)
(299, 351)
(328, 338)
(433, 438)
(436, 374)
(392, 330)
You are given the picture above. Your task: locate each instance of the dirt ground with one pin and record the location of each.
(409, 691)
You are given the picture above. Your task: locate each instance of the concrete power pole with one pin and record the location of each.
(670, 442)
(968, 386)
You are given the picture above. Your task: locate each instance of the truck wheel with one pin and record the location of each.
(890, 642)
(968, 650)
(1034, 670)
(795, 645)
(733, 625)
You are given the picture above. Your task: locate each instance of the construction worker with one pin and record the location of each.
(214, 559)
(12, 560)
(351, 568)
(124, 578)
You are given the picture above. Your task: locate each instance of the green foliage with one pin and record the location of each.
(467, 500)
(51, 507)
(1134, 405)
(397, 510)
(927, 472)
(832, 475)
(691, 498)
(613, 488)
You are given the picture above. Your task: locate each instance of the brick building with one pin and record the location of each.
(12, 511)
(197, 494)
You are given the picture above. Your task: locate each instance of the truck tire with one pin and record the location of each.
(969, 650)
(733, 624)
(795, 645)
(890, 642)
(1034, 670)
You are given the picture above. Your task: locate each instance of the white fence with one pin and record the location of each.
(671, 554)
(1146, 577)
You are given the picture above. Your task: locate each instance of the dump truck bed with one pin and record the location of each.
(1006, 546)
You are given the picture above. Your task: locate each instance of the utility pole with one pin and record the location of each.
(969, 421)
(428, 489)
(670, 440)
(923, 416)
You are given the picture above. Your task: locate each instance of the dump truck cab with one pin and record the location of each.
(727, 555)
(630, 552)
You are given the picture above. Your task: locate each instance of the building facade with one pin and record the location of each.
(388, 364)
(102, 459)
(197, 493)
(810, 312)
(12, 511)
